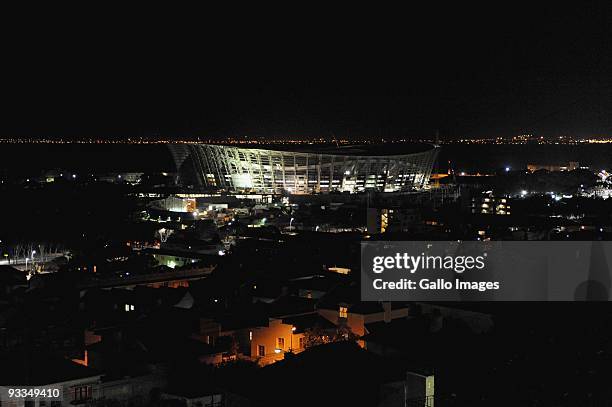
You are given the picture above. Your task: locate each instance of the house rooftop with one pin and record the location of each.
(11, 276)
(308, 321)
(29, 369)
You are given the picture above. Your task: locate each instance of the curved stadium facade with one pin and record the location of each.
(305, 169)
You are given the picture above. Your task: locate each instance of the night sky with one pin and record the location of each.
(467, 72)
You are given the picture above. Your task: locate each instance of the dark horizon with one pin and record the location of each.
(464, 74)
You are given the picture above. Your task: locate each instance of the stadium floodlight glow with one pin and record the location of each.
(305, 169)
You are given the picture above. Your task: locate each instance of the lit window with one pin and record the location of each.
(343, 312)
(280, 343)
(261, 350)
(250, 335)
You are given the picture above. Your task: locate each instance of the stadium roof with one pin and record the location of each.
(388, 149)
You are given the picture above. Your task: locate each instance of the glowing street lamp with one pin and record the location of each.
(31, 258)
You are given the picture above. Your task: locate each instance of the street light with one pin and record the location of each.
(32, 258)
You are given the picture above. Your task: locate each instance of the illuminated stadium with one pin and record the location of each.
(305, 169)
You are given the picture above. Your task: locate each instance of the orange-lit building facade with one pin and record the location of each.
(269, 344)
